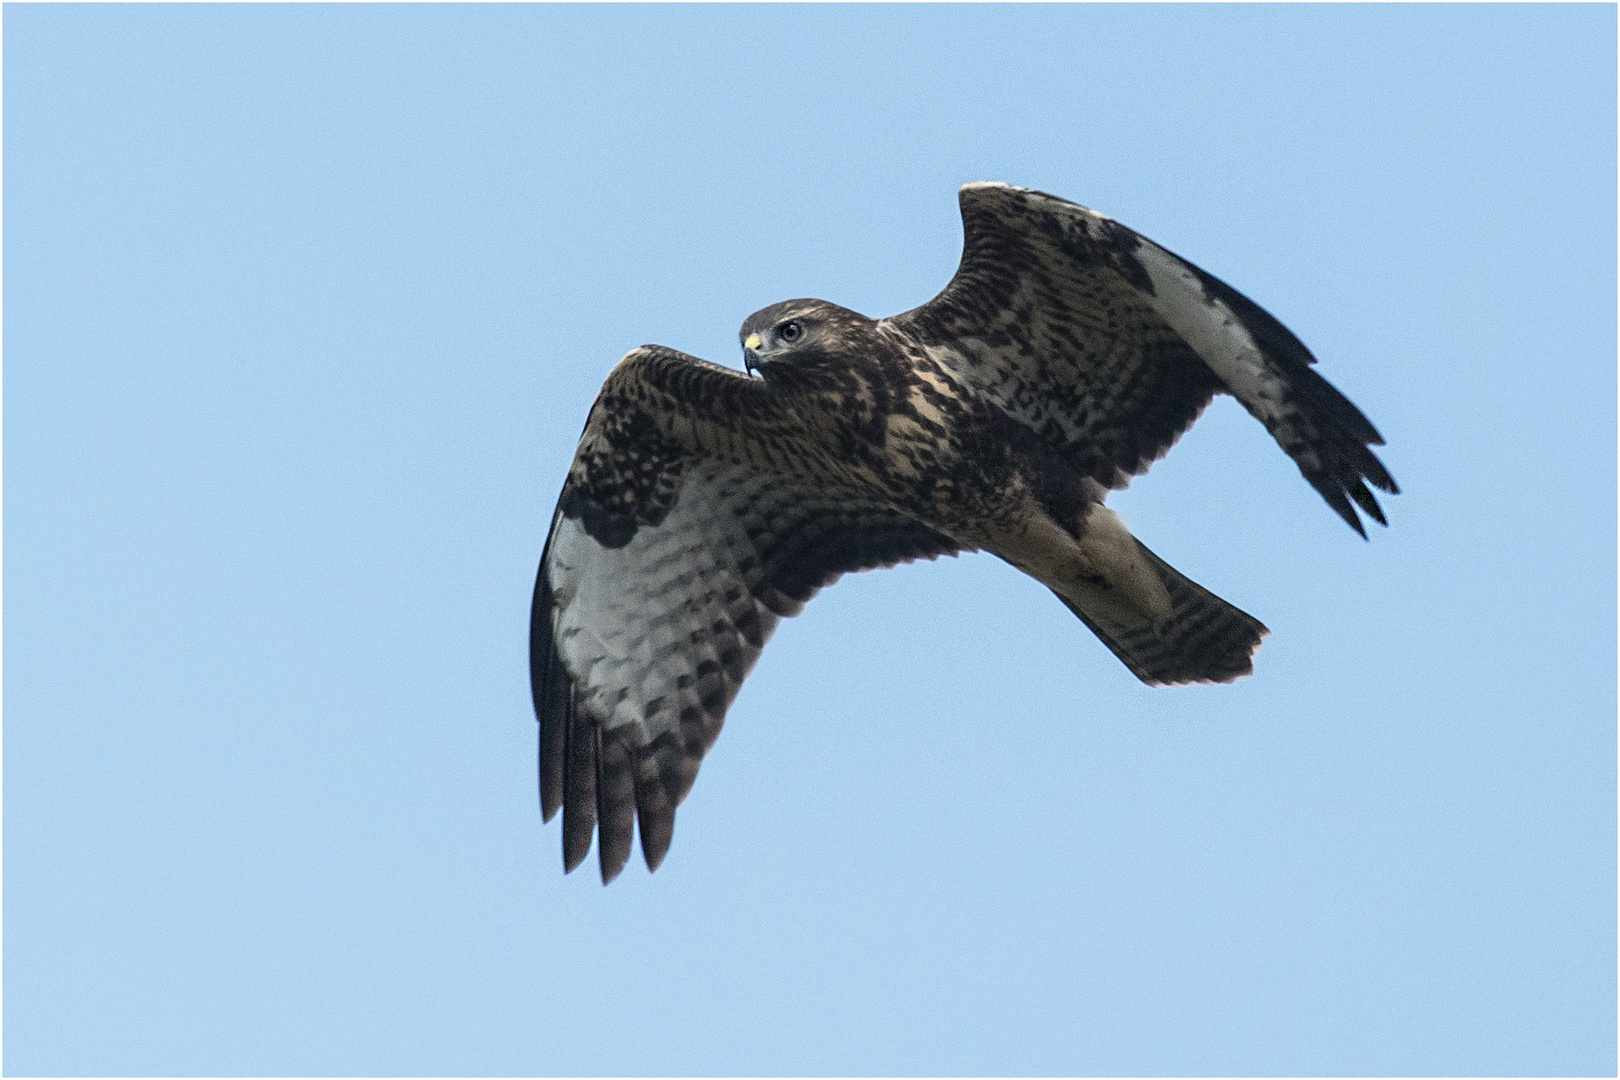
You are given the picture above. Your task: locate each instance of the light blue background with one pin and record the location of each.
(304, 309)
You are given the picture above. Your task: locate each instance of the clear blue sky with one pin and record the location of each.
(304, 309)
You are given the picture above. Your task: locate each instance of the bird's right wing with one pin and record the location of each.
(1109, 347)
(693, 518)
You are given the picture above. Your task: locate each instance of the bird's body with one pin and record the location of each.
(704, 504)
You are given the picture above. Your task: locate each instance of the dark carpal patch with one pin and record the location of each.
(628, 477)
(611, 530)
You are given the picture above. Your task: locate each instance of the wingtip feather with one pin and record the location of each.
(615, 804)
(579, 788)
(1368, 504)
(572, 854)
(1333, 492)
(655, 819)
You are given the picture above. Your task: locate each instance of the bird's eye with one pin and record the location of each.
(790, 331)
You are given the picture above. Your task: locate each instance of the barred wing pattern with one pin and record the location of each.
(674, 551)
(1110, 347)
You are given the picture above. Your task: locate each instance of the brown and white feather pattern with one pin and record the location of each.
(1066, 355)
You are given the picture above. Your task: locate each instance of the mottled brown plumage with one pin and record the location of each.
(1066, 355)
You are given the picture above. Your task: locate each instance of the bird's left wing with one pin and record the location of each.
(1109, 347)
(695, 515)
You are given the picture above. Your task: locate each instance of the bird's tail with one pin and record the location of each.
(1186, 635)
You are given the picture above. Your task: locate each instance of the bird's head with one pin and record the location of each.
(795, 335)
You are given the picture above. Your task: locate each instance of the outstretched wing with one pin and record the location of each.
(693, 519)
(1110, 347)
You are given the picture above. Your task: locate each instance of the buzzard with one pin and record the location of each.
(1066, 356)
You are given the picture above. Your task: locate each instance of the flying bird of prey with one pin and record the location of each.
(704, 504)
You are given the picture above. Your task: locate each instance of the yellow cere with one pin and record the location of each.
(753, 342)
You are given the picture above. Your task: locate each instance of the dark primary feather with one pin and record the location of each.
(552, 688)
(1327, 422)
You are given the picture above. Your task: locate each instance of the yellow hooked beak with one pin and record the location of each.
(751, 344)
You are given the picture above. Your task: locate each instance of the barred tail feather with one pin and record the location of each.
(1204, 639)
